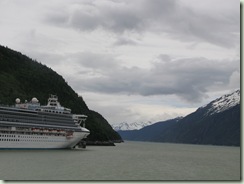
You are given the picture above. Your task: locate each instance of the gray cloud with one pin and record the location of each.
(162, 16)
(101, 62)
(124, 41)
(93, 44)
(188, 78)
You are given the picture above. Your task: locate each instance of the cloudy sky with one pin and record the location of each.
(132, 60)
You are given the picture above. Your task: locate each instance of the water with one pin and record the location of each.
(125, 161)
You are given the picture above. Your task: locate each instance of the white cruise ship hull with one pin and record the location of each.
(21, 141)
(32, 126)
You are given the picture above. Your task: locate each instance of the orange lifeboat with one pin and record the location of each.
(69, 135)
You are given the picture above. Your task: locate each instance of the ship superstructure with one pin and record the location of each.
(30, 125)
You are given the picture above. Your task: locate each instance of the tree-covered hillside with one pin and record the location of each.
(25, 78)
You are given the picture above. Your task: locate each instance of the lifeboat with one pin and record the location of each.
(69, 135)
(35, 129)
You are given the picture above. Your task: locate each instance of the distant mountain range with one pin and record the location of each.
(130, 126)
(217, 123)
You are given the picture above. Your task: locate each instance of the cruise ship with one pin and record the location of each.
(30, 125)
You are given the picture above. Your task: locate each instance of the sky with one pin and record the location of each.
(132, 60)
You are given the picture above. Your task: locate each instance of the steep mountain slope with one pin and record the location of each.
(216, 123)
(223, 103)
(24, 78)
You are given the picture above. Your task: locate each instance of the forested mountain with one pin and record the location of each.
(217, 123)
(25, 78)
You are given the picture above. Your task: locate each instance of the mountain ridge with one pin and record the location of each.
(130, 126)
(224, 102)
(200, 127)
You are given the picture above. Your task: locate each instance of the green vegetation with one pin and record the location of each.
(25, 78)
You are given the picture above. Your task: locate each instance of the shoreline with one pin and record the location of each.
(103, 143)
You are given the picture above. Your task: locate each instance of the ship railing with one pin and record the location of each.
(4, 105)
(8, 130)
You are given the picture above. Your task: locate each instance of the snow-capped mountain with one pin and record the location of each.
(223, 103)
(217, 123)
(130, 126)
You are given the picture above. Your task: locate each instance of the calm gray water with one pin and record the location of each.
(125, 161)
